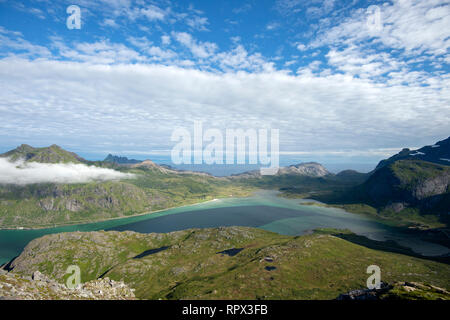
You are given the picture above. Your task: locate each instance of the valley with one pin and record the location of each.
(304, 233)
(192, 264)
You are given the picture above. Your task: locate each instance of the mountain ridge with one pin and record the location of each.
(51, 154)
(120, 159)
(411, 187)
(309, 169)
(438, 153)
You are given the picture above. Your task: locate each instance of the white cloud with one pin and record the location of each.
(100, 52)
(109, 23)
(13, 41)
(272, 26)
(152, 12)
(165, 40)
(34, 11)
(140, 42)
(239, 58)
(414, 26)
(160, 54)
(301, 47)
(365, 94)
(23, 173)
(408, 32)
(197, 23)
(365, 64)
(123, 107)
(198, 49)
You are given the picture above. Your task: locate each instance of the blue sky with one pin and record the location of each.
(353, 81)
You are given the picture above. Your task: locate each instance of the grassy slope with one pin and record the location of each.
(298, 186)
(43, 205)
(48, 205)
(52, 154)
(395, 182)
(317, 266)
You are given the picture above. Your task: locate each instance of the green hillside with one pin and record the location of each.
(198, 263)
(41, 205)
(152, 188)
(52, 154)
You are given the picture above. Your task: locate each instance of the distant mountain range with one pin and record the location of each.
(312, 169)
(410, 183)
(309, 169)
(153, 187)
(120, 160)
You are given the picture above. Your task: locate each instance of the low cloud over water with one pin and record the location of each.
(23, 173)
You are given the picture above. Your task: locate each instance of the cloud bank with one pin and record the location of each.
(338, 86)
(23, 173)
(136, 107)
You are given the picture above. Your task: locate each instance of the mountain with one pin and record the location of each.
(151, 187)
(225, 263)
(411, 187)
(418, 179)
(120, 160)
(311, 169)
(351, 176)
(437, 153)
(307, 169)
(147, 164)
(52, 154)
(410, 184)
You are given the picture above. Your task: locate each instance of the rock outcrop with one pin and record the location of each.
(310, 169)
(41, 287)
(365, 294)
(408, 183)
(398, 291)
(221, 263)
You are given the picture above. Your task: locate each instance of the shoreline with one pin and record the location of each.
(108, 219)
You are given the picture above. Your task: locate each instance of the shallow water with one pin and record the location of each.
(263, 210)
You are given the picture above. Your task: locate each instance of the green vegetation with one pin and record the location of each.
(152, 188)
(300, 186)
(415, 291)
(406, 192)
(47, 205)
(317, 266)
(408, 217)
(52, 154)
(412, 172)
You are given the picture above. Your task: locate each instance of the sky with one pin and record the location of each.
(354, 81)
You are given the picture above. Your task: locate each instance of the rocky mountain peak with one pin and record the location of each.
(311, 169)
(437, 153)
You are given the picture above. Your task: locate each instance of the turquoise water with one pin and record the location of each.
(263, 210)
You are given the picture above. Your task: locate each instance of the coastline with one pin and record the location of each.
(108, 219)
